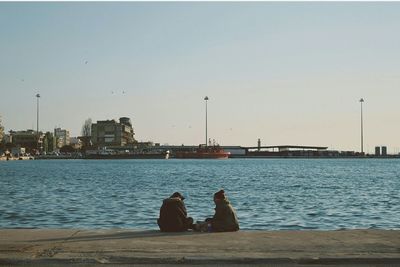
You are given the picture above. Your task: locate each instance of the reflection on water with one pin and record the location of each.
(267, 193)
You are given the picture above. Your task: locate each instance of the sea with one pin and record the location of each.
(267, 194)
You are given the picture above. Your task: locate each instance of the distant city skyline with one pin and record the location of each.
(287, 73)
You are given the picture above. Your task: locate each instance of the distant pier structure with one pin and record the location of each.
(277, 151)
(287, 151)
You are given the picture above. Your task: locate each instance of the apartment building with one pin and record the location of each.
(113, 133)
(61, 137)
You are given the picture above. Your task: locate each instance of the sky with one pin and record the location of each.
(287, 73)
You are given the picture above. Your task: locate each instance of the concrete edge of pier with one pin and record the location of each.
(36, 247)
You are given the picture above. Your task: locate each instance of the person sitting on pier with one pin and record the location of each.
(173, 215)
(225, 219)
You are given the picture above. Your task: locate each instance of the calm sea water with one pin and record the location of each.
(267, 194)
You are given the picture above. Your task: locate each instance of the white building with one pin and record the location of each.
(62, 137)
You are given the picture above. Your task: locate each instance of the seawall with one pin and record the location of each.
(117, 246)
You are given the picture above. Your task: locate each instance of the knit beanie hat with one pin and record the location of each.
(220, 194)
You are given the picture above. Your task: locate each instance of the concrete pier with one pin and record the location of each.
(38, 247)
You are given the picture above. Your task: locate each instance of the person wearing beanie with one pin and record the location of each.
(173, 215)
(225, 219)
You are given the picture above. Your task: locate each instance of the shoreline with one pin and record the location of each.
(258, 247)
(230, 158)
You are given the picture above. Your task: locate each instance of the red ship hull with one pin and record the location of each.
(203, 154)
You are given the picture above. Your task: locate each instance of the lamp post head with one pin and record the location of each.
(361, 100)
(206, 98)
(37, 95)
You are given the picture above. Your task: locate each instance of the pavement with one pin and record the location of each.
(117, 247)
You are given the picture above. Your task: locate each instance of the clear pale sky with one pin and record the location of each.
(288, 73)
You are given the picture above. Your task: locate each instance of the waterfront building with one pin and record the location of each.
(49, 142)
(28, 139)
(377, 151)
(76, 143)
(62, 137)
(18, 151)
(85, 141)
(113, 133)
(7, 139)
(384, 151)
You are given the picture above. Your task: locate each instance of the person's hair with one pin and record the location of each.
(220, 194)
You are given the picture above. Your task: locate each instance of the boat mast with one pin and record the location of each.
(206, 99)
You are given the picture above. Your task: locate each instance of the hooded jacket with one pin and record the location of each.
(225, 219)
(173, 215)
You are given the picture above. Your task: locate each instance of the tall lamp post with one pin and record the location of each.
(362, 127)
(206, 99)
(37, 113)
(37, 119)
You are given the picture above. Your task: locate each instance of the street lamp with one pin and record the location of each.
(362, 127)
(37, 120)
(37, 113)
(206, 99)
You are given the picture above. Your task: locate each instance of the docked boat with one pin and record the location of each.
(210, 151)
(203, 152)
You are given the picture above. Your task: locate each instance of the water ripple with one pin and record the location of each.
(267, 193)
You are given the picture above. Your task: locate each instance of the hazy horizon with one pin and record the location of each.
(287, 73)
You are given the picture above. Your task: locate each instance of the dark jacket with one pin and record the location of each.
(173, 216)
(225, 219)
